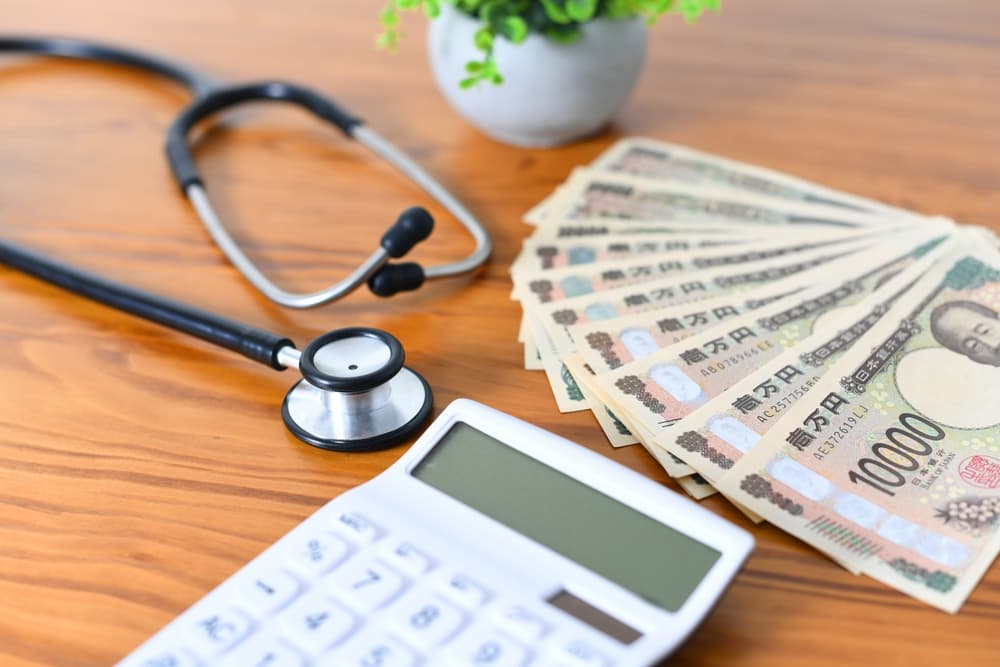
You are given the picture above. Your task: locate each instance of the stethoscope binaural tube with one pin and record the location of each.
(383, 277)
(355, 394)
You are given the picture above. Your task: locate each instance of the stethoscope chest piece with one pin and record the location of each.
(355, 394)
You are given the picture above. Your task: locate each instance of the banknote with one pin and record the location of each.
(617, 433)
(649, 158)
(532, 359)
(662, 388)
(612, 229)
(550, 285)
(892, 464)
(718, 433)
(550, 323)
(538, 213)
(646, 297)
(609, 344)
(591, 194)
(660, 160)
(696, 486)
(557, 317)
(537, 255)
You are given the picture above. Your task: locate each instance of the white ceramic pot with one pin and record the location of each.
(552, 93)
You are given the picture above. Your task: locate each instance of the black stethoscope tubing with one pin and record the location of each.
(307, 409)
(194, 81)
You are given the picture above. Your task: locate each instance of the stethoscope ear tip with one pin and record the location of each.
(412, 226)
(394, 278)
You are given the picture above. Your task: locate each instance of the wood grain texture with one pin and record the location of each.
(139, 468)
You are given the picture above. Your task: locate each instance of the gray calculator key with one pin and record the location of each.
(315, 623)
(426, 621)
(365, 584)
(265, 592)
(166, 658)
(264, 650)
(579, 654)
(486, 648)
(213, 632)
(409, 558)
(312, 556)
(465, 591)
(521, 622)
(374, 649)
(358, 527)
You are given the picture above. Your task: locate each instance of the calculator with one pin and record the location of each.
(490, 543)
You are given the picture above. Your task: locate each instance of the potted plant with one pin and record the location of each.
(537, 72)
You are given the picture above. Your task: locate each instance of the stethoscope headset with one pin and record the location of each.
(355, 393)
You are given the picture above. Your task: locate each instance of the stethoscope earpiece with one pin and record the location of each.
(411, 227)
(355, 394)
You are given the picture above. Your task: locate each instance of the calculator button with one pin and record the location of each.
(365, 585)
(267, 592)
(427, 621)
(315, 623)
(580, 654)
(175, 658)
(214, 632)
(409, 559)
(320, 553)
(521, 623)
(372, 649)
(486, 647)
(465, 591)
(358, 527)
(264, 651)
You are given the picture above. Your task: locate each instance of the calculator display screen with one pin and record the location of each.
(640, 554)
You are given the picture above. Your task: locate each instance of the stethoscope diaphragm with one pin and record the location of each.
(355, 394)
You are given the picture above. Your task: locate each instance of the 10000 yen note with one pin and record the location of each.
(547, 286)
(657, 391)
(548, 322)
(721, 431)
(593, 195)
(659, 160)
(538, 255)
(597, 402)
(563, 230)
(892, 464)
(648, 158)
(609, 344)
(617, 433)
(556, 317)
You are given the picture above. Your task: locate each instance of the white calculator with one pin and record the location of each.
(490, 543)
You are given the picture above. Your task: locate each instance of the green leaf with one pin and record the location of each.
(467, 83)
(387, 41)
(389, 17)
(484, 39)
(563, 34)
(496, 79)
(581, 10)
(514, 28)
(473, 67)
(555, 12)
(432, 8)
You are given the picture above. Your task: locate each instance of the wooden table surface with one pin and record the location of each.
(138, 468)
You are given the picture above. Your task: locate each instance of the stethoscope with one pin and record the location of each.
(355, 393)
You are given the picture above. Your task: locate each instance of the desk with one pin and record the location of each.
(139, 468)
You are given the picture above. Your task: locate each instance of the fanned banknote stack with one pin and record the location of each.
(829, 363)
